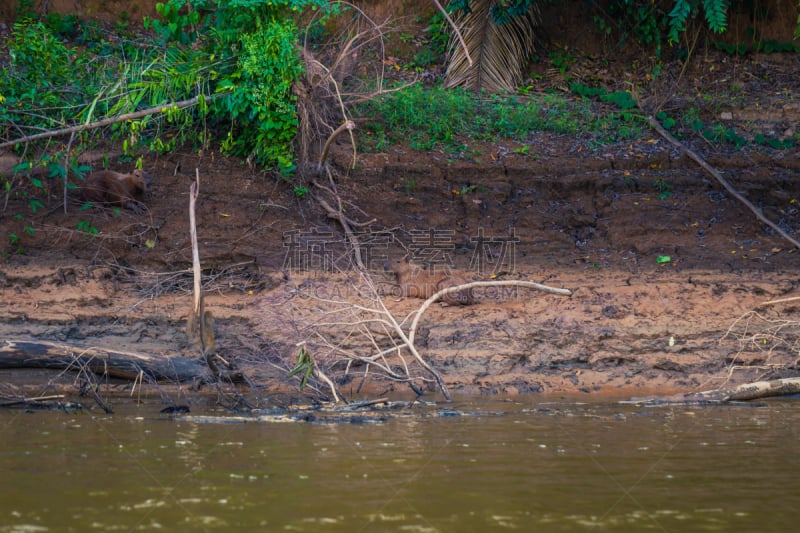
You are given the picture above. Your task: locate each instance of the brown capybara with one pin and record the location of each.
(106, 187)
(420, 280)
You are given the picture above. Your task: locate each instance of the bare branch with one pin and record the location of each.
(107, 121)
(715, 173)
(476, 284)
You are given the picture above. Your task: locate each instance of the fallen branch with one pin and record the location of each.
(740, 393)
(113, 363)
(108, 121)
(715, 173)
(780, 301)
(32, 400)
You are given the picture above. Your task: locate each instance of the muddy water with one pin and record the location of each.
(505, 466)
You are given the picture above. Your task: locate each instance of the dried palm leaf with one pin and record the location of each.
(499, 52)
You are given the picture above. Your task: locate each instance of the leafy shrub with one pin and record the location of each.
(248, 49)
(648, 23)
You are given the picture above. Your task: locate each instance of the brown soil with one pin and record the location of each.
(586, 218)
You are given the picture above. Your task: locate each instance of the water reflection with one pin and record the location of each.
(536, 467)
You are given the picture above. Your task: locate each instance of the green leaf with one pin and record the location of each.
(715, 12)
(677, 20)
(662, 259)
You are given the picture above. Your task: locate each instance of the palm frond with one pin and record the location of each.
(498, 51)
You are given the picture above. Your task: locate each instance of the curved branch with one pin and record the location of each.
(475, 284)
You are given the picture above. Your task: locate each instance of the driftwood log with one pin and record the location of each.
(740, 393)
(101, 361)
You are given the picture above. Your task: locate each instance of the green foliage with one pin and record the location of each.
(714, 12)
(246, 48)
(663, 187)
(622, 99)
(719, 133)
(501, 12)
(666, 121)
(638, 19)
(769, 46)
(263, 105)
(40, 65)
(772, 142)
(44, 87)
(241, 52)
(84, 226)
(438, 32)
(649, 24)
(797, 28)
(26, 10)
(304, 366)
(436, 117)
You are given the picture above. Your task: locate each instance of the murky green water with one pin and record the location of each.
(535, 467)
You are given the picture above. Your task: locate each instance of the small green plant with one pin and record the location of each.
(84, 226)
(34, 204)
(562, 60)
(304, 366)
(663, 187)
(522, 150)
(300, 191)
(773, 142)
(424, 58)
(666, 121)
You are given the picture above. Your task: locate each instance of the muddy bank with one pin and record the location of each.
(600, 229)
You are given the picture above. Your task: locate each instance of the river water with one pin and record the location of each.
(522, 465)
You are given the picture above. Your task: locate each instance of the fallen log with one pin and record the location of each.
(745, 392)
(101, 361)
(750, 391)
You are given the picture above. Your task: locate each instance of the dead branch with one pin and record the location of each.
(200, 324)
(108, 121)
(779, 301)
(751, 391)
(348, 125)
(453, 25)
(101, 361)
(715, 173)
(745, 392)
(353, 321)
(32, 400)
(66, 168)
(194, 191)
(339, 216)
(468, 286)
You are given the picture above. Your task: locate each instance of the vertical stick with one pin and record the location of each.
(200, 326)
(194, 191)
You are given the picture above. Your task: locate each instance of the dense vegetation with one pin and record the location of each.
(236, 61)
